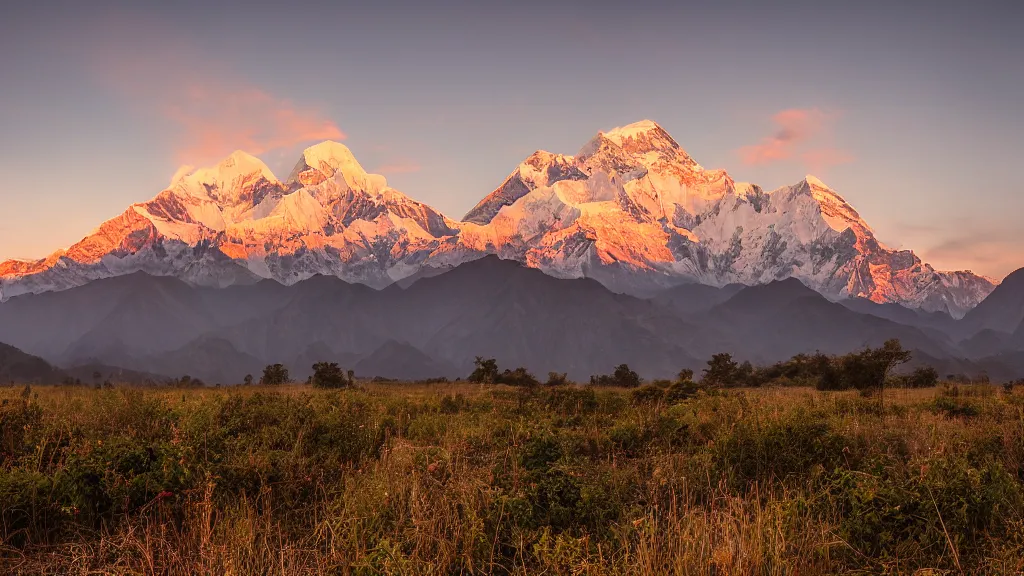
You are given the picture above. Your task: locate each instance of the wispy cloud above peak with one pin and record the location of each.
(215, 119)
(208, 109)
(802, 135)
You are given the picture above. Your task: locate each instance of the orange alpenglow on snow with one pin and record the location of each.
(631, 209)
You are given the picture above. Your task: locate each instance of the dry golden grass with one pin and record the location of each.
(471, 479)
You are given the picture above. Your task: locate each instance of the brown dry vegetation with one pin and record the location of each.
(481, 479)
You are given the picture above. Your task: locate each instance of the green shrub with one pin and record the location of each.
(540, 452)
(453, 404)
(647, 395)
(779, 449)
(912, 516)
(627, 437)
(680, 391)
(570, 401)
(19, 420)
(954, 407)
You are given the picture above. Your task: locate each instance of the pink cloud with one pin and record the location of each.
(399, 167)
(801, 134)
(214, 119)
(207, 109)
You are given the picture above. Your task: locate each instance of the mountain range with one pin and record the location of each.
(628, 252)
(18, 367)
(631, 210)
(488, 307)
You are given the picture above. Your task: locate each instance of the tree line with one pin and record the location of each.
(868, 370)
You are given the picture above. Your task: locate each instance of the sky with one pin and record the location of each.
(912, 111)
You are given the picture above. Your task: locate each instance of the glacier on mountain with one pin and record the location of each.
(632, 210)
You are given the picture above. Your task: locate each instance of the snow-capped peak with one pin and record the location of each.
(182, 172)
(633, 130)
(640, 137)
(240, 164)
(632, 209)
(816, 182)
(329, 156)
(836, 211)
(237, 165)
(225, 182)
(333, 160)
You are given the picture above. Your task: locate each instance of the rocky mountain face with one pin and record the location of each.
(631, 210)
(236, 224)
(635, 212)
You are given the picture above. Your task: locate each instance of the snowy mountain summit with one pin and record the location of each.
(631, 209)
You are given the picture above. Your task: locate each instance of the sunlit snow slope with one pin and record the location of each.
(632, 210)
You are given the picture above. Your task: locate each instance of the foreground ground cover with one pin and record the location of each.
(484, 479)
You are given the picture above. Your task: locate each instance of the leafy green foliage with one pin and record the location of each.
(647, 395)
(275, 374)
(329, 375)
(622, 377)
(684, 388)
(557, 379)
(518, 377)
(922, 377)
(485, 371)
(722, 370)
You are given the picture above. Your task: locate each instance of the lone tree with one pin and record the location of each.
(485, 371)
(329, 375)
(869, 369)
(722, 370)
(275, 374)
(885, 359)
(247, 380)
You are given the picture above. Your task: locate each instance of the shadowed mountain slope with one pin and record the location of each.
(438, 324)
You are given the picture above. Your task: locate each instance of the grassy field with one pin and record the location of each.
(474, 479)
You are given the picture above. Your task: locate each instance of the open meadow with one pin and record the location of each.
(463, 478)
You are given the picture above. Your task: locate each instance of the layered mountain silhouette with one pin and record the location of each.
(631, 210)
(19, 367)
(436, 326)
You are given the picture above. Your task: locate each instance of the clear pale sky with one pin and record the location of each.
(913, 110)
